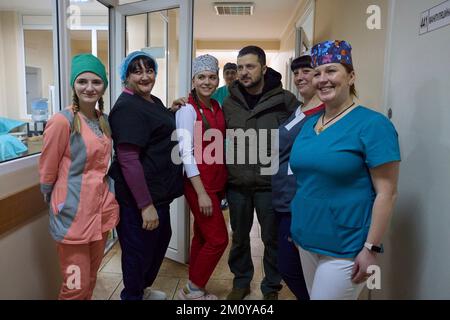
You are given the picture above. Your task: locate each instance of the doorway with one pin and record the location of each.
(163, 29)
(166, 29)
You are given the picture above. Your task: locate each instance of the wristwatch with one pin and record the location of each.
(374, 248)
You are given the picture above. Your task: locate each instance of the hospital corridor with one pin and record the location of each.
(224, 150)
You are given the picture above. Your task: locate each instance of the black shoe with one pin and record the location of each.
(238, 293)
(271, 296)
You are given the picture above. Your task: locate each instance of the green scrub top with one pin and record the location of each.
(220, 94)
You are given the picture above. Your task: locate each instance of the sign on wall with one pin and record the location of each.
(435, 18)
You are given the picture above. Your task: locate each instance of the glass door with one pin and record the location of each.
(164, 29)
(155, 33)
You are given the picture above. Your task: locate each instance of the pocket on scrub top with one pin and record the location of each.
(314, 226)
(352, 221)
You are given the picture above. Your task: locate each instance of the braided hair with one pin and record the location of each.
(104, 125)
(195, 96)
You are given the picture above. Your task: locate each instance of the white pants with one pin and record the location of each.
(328, 278)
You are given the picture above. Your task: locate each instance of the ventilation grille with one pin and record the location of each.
(234, 8)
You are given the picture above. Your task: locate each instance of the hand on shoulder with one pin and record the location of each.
(178, 103)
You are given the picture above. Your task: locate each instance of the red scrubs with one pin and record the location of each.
(210, 232)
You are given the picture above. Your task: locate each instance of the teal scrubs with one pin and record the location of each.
(220, 94)
(332, 207)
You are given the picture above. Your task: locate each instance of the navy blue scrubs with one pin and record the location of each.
(283, 190)
(149, 126)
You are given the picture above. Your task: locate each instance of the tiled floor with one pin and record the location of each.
(173, 275)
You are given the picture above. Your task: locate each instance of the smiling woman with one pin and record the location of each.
(142, 77)
(204, 183)
(146, 179)
(31, 62)
(350, 154)
(74, 161)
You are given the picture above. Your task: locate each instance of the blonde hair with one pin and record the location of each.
(76, 127)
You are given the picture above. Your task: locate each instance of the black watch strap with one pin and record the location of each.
(374, 248)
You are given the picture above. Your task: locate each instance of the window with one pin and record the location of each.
(26, 75)
(29, 69)
(88, 33)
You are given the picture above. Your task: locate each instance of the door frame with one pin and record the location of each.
(300, 34)
(117, 28)
(179, 208)
(387, 57)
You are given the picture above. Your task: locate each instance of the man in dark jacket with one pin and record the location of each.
(257, 104)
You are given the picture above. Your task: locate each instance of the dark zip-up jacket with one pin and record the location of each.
(272, 109)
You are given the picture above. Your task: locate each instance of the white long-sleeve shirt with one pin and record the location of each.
(185, 121)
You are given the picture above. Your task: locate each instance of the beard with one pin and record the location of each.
(254, 83)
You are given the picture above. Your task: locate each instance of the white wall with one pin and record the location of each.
(29, 265)
(346, 20)
(416, 263)
(280, 61)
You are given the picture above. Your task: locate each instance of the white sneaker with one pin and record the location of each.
(185, 294)
(150, 294)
